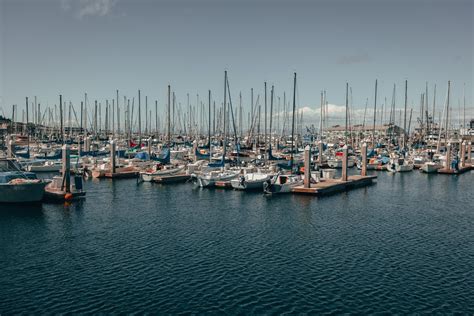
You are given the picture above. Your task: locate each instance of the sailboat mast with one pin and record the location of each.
(209, 129)
(293, 122)
(169, 115)
(321, 119)
(405, 116)
(27, 129)
(375, 114)
(265, 123)
(118, 113)
(271, 114)
(447, 113)
(61, 117)
(139, 119)
(347, 109)
(225, 102)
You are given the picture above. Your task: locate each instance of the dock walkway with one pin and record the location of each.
(328, 186)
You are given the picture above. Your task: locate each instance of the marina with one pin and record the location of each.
(209, 157)
(268, 162)
(355, 249)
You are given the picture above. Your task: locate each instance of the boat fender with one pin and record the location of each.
(68, 196)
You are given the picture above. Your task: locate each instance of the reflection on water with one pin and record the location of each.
(403, 245)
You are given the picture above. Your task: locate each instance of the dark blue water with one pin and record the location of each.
(403, 245)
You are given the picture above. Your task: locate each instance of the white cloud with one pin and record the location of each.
(84, 8)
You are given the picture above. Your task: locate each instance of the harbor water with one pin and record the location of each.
(402, 245)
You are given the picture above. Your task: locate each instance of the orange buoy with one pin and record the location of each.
(68, 196)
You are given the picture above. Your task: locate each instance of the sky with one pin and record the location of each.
(69, 47)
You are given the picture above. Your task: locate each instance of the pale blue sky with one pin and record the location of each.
(50, 47)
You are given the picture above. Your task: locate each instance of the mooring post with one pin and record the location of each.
(112, 156)
(320, 148)
(344, 163)
(364, 160)
(87, 144)
(462, 154)
(448, 156)
(149, 148)
(79, 147)
(195, 150)
(10, 148)
(307, 167)
(469, 152)
(66, 160)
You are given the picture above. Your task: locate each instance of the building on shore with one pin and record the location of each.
(367, 130)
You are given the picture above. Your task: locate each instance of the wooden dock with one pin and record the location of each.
(174, 178)
(328, 186)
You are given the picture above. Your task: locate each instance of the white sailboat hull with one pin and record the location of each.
(249, 184)
(430, 167)
(148, 176)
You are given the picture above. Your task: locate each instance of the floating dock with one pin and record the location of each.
(328, 186)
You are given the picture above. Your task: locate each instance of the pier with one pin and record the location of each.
(331, 186)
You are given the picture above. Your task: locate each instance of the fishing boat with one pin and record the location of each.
(250, 181)
(283, 183)
(17, 186)
(399, 165)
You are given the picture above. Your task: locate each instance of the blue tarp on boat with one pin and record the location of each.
(164, 157)
(143, 155)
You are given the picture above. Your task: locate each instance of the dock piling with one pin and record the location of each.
(149, 148)
(307, 167)
(112, 156)
(66, 184)
(320, 157)
(462, 154)
(448, 156)
(344, 163)
(10, 148)
(87, 144)
(469, 152)
(364, 160)
(194, 151)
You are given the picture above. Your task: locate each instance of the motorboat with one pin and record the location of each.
(283, 183)
(250, 181)
(17, 186)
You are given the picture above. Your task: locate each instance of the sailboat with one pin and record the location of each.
(400, 164)
(250, 181)
(209, 178)
(284, 183)
(160, 170)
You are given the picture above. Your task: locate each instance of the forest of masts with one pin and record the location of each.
(122, 116)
